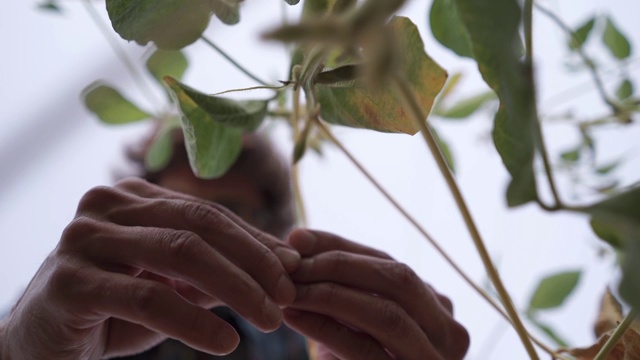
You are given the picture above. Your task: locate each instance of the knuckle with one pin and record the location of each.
(96, 197)
(446, 302)
(459, 341)
(200, 213)
(329, 293)
(182, 244)
(338, 260)
(66, 285)
(403, 275)
(131, 183)
(143, 297)
(79, 230)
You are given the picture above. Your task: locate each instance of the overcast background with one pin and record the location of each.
(52, 151)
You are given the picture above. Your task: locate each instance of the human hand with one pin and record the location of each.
(140, 263)
(359, 303)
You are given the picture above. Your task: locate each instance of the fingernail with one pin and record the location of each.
(288, 257)
(304, 240)
(272, 312)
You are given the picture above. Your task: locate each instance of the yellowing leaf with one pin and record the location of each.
(359, 105)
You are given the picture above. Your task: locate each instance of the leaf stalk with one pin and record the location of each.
(617, 334)
(233, 61)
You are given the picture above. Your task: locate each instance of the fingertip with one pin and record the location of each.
(225, 340)
(303, 240)
(290, 258)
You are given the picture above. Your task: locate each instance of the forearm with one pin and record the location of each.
(3, 354)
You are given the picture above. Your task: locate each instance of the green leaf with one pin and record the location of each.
(616, 220)
(493, 26)
(581, 34)
(292, 2)
(466, 107)
(161, 149)
(170, 24)
(212, 145)
(228, 11)
(625, 90)
(360, 105)
(448, 29)
(552, 291)
(110, 106)
(607, 168)
(615, 41)
(51, 6)
(167, 63)
(572, 155)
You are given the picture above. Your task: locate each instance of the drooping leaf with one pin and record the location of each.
(161, 149)
(110, 106)
(553, 290)
(167, 63)
(625, 90)
(212, 146)
(51, 6)
(493, 26)
(615, 41)
(607, 168)
(466, 107)
(616, 220)
(448, 29)
(581, 34)
(359, 105)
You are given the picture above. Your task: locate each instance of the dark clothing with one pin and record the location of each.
(282, 344)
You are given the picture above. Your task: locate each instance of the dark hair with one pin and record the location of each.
(258, 160)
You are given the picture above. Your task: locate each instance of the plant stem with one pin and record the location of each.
(419, 117)
(295, 172)
(617, 334)
(585, 58)
(233, 61)
(138, 79)
(424, 233)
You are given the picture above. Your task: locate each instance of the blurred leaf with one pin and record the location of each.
(161, 149)
(571, 155)
(110, 106)
(445, 149)
(51, 6)
(625, 90)
(148, 20)
(466, 107)
(167, 63)
(553, 290)
(212, 146)
(616, 220)
(292, 2)
(581, 34)
(449, 86)
(609, 315)
(493, 26)
(448, 29)
(360, 105)
(615, 41)
(551, 333)
(228, 11)
(340, 75)
(607, 168)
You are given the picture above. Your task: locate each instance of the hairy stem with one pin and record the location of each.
(419, 117)
(138, 79)
(617, 334)
(425, 234)
(233, 61)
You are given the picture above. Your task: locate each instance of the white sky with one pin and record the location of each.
(52, 151)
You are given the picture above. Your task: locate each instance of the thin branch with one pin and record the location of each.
(419, 117)
(295, 172)
(138, 79)
(233, 61)
(425, 234)
(617, 334)
(585, 58)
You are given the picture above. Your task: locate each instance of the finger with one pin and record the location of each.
(383, 278)
(340, 340)
(187, 291)
(283, 251)
(381, 318)
(180, 255)
(310, 243)
(211, 225)
(153, 305)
